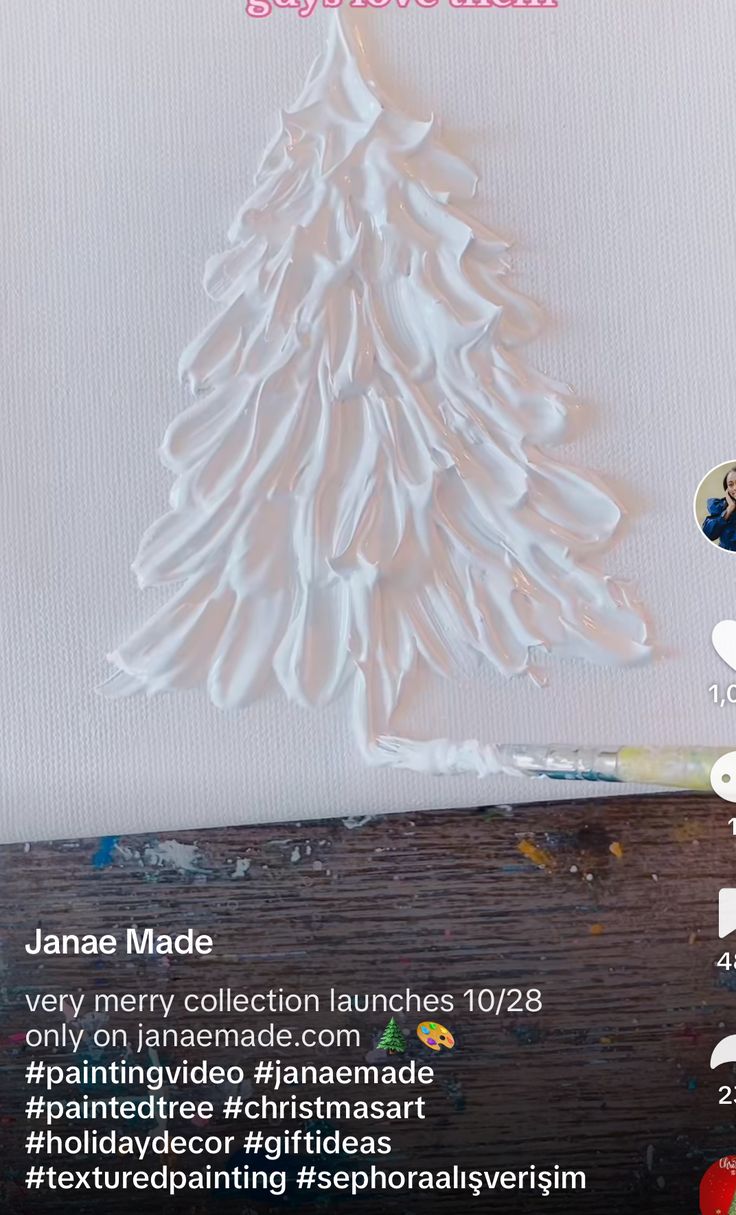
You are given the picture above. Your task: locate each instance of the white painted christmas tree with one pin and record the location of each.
(362, 482)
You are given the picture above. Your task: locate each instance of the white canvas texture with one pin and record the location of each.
(130, 133)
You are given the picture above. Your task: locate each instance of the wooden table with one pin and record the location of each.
(609, 907)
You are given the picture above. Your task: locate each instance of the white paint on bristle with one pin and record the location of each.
(363, 482)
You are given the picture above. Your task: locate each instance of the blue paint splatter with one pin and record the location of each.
(527, 1035)
(104, 854)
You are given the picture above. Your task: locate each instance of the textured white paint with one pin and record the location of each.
(129, 137)
(363, 483)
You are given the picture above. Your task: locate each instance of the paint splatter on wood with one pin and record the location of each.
(538, 856)
(687, 832)
(106, 851)
(170, 854)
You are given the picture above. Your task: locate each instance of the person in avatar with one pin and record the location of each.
(720, 525)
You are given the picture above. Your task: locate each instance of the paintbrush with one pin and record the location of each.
(676, 767)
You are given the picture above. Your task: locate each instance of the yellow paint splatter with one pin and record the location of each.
(597, 930)
(537, 856)
(616, 850)
(687, 832)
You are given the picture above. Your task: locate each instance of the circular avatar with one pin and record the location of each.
(715, 506)
(434, 1036)
(718, 1188)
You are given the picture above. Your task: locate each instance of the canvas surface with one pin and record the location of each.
(130, 134)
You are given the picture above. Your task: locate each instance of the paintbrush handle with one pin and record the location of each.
(685, 768)
(675, 767)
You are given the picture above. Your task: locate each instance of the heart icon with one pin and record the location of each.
(724, 641)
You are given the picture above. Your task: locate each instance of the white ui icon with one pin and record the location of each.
(726, 912)
(724, 641)
(724, 1052)
(723, 777)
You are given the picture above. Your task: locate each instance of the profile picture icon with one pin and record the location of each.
(718, 1188)
(715, 506)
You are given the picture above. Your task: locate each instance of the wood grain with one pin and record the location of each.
(617, 925)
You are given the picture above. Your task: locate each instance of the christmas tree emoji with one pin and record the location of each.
(392, 1039)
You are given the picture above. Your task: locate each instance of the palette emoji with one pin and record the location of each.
(435, 1036)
